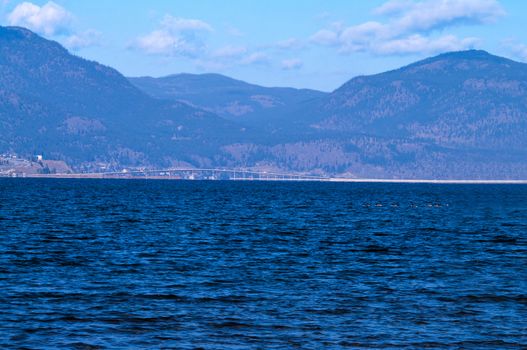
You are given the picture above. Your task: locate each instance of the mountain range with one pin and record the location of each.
(84, 113)
(229, 98)
(457, 115)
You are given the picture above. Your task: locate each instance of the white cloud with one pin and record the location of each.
(259, 58)
(412, 27)
(231, 56)
(434, 14)
(228, 57)
(517, 49)
(325, 37)
(49, 19)
(292, 64)
(207, 65)
(187, 37)
(393, 7)
(175, 36)
(361, 36)
(290, 44)
(228, 52)
(521, 51)
(177, 24)
(82, 40)
(161, 42)
(417, 44)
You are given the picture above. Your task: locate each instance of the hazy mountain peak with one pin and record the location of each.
(18, 38)
(466, 54)
(447, 67)
(20, 31)
(464, 60)
(230, 98)
(201, 76)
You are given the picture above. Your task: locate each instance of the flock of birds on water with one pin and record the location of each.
(397, 205)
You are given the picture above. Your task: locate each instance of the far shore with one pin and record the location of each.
(424, 181)
(329, 179)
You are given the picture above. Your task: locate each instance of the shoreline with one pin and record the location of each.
(425, 181)
(332, 180)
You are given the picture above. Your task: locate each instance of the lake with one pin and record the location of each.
(124, 264)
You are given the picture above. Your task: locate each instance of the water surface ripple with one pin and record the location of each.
(229, 265)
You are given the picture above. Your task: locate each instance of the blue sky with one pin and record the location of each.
(316, 44)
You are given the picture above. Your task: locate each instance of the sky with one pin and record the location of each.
(317, 44)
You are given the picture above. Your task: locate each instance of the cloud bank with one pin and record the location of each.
(49, 19)
(188, 38)
(412, 27)
(88, 38)
(175, 36)
(292, 64)
(53, 21)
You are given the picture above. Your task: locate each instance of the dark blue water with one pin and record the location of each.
(228, 265)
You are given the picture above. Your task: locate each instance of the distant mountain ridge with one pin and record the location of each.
(458, 115)
(427, 91)
(229, 98)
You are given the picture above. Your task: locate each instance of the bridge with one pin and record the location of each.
(214, 174)
(190, 174)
